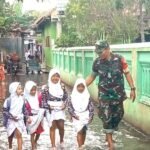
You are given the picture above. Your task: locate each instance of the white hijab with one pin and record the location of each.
(13, 88)
(80, 101)
(16, 101)
(54, 89)
(33, 100)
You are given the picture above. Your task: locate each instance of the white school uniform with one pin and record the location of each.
(80, 103)
(38, 112)
(16, 109)
(56, 91)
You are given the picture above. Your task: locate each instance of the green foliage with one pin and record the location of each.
(115, 20)
(119, 4)
(11, 16)
(68, 40)
(2, 21)
(39, 39)
(5, 12)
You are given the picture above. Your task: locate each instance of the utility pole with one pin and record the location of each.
(141, 21)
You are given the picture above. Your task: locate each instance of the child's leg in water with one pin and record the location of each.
(37, 136)
(19, 139)
(60, 125)
(10, 140)
(52, 133)
(81, 135)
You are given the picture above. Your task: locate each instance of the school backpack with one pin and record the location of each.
(5, 110)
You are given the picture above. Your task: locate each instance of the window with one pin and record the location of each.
(47, 41)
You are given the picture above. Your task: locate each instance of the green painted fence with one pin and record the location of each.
(77, 62)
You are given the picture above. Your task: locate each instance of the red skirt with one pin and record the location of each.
(39, 130)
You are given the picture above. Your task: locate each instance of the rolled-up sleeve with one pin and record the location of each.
(124, 65)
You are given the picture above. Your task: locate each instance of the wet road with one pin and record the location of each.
(127, 138)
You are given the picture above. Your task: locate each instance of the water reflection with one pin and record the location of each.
(127, 138)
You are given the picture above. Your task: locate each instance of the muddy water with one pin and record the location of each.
(127, 138)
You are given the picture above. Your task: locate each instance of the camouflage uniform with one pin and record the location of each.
(111, 90)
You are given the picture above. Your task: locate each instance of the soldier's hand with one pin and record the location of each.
(132, 95)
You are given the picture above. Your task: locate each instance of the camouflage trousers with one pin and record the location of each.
(111, 113)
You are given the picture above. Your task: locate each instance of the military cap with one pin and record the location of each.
(100, 46)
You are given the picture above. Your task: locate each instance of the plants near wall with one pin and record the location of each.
(11, 16)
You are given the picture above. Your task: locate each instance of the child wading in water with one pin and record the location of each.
(54, 99)
(34, 113)
(13, 114)
(81, 110)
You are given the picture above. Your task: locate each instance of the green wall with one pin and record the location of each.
(77, 61)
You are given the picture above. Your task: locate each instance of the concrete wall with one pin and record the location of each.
(9, 45)
(77, 61)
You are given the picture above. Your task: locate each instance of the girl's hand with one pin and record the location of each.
(15, 118)
(63, 106)
(29, 120)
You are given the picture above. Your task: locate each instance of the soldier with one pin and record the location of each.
(110, 69)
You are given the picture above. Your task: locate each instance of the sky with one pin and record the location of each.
(39, 6)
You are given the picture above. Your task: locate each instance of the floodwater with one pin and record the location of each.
(127, 137)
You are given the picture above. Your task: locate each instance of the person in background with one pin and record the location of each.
(110, 68)
(81, 110)
(27, 54)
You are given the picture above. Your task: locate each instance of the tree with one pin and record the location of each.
(5, 12)
(140, 9)
(11, 16)
(101, 19)
(144, 6)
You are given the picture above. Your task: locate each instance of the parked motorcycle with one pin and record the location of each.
(13, 63)
(15, 68)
